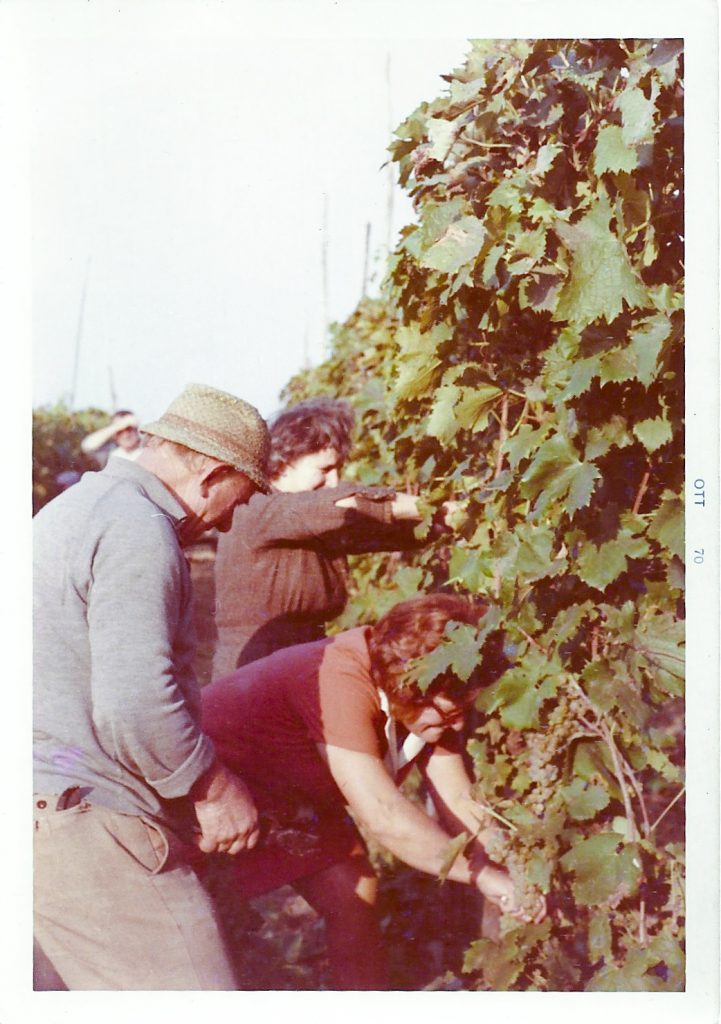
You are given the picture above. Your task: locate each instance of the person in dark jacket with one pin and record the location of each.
(280, 572)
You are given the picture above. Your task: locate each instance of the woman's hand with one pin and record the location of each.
(495, 884)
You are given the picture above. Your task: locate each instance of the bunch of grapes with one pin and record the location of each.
(545, 749)
(510, 850)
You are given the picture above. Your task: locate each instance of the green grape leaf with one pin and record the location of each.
(468, 567)
(633, 975)
(601, 278)
(602, 684)
(460, 651)
(646, 342)
(601, 439)
(568, 620)
(599, 566)
(418, 362)
(442, 422)
(545, 157)
(526, 440)
(618, 365)
(436, 218)
(584, 800)
(600, 937)
(453, 851)
(584, 370)
(533, 556)
(491, 262)
(653, 433)
(612, 152)
(557, 472)
(659, 649)
(460, 244)
(604, 868)
(667, 525)
(637, 113)
(507, 195)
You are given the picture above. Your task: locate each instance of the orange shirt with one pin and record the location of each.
(266, 718)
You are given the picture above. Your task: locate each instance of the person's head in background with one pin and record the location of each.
(126, 435)
(310, 441)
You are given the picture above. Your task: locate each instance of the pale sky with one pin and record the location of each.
(180, 181)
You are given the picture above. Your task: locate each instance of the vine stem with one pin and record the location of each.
(542, 649)
(494, 814)
(502, 435)
(632, 831)
(664, 812)
(605, 733)
(639, 794)
(640, 493)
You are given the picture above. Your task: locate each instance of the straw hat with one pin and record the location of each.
(220, 425)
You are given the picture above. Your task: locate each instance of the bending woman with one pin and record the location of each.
(317, 727)
(280, 572)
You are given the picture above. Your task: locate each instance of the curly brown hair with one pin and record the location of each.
(417, 626)
(309, 427)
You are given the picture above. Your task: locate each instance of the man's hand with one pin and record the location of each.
(498, 889)
(225, 811)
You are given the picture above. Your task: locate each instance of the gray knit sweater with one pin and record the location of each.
(116, 701)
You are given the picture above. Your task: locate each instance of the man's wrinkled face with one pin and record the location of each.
(225, 492)
(213, 500)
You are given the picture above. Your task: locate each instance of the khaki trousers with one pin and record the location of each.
(117, 906)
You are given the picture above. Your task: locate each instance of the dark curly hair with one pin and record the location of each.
(415, 627)
(309, 427)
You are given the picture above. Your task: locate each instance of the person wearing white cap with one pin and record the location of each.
(124, 775)
(120, 438)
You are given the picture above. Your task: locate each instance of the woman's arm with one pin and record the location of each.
(405, 508)
(403, 828)
(450, 788)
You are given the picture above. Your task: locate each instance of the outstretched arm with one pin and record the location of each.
(403, 828)
(406, 507)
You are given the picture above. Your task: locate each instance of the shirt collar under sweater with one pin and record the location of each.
(151, 485)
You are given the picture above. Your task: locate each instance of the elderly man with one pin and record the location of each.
(124, 774)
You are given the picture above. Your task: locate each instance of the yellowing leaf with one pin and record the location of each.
(440, 134)
(618, 365)
(442, 422)
(545, 157)
(418, 365)
(475, 404)
(460, 244)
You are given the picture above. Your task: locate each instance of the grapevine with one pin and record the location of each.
(525, 356)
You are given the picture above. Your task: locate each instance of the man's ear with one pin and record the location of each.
(211, 475)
